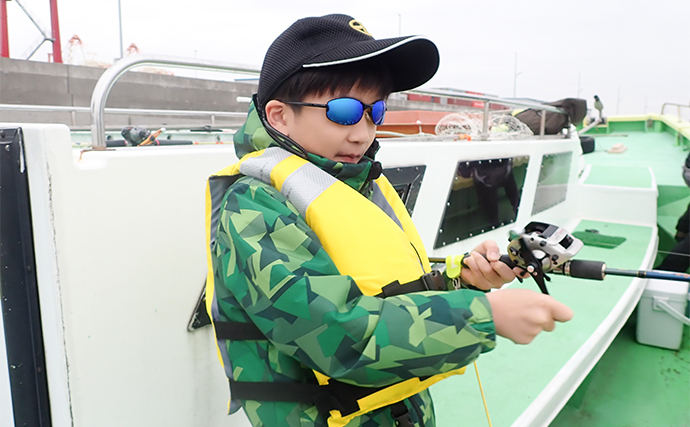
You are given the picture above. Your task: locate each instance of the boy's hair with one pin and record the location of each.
(337, 80)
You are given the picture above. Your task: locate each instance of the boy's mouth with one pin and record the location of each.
(348, 158)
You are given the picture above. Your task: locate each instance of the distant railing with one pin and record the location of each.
(679, 106)
(139, 111)
(105, 83)
(112, 74)
(492, 100)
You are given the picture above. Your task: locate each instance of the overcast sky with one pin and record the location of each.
(634, 54)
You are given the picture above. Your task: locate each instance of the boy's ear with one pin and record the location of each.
(278, 115)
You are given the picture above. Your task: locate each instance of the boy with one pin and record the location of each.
(319, 284)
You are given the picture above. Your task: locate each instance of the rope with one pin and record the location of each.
(481, 390)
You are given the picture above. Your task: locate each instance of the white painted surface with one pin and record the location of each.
(119, 239)
(624, 205)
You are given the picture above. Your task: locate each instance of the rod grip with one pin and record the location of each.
(586, 269)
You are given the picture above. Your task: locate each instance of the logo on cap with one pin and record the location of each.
(359, 27)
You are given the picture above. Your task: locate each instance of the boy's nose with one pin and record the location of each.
(363, 131)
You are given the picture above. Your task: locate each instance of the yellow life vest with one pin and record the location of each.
(353, 230)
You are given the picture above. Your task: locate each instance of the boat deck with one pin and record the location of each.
(632, 384)
(645, 149)
(531, 373)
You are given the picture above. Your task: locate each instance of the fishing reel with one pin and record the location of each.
(541, 248)
(140, 136)
(134, 135)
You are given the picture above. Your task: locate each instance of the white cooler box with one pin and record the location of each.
(660, 313)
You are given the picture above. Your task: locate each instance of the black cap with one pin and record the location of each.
(340, 39)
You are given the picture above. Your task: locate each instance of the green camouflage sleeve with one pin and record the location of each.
(274, 268)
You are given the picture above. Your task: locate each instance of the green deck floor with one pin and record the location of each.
(634, 385)
(644, 149)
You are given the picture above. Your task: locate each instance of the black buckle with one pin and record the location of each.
(433, 281)
(401, 415)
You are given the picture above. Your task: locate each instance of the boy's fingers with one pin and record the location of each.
(561, 312)
(477, 266)
(482, 263)
(493, 273)
(490, 249)
(550, 326)
(520, 272)
(506, 273)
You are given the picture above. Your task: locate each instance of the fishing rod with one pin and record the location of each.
(542, 248)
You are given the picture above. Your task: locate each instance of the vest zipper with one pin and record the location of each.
(419, 258)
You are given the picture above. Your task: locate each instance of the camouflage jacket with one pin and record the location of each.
(265, 256)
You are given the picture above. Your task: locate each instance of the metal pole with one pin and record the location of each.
(110, 76)
(485, 121)
(515, 77)
(4, 33)
(119, 16)
(542, 124)
(55, 27)
(36, 48)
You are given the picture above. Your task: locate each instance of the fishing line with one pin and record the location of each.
(481, 390)
(674, 253)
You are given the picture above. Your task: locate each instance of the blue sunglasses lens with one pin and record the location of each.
(349, 111)
(344, 111)
(378, 112)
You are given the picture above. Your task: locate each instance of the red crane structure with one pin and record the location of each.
(54, 34)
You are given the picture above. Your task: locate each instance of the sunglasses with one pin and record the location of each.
(348, 111)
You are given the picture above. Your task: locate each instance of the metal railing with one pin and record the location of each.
(112, 74)
(492, 100)
(140, 111)
(679, 106)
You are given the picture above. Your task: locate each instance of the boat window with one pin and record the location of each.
(407, 181)
(484, 194)
(553, 181)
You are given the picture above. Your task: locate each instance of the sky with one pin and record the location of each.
(634, 54)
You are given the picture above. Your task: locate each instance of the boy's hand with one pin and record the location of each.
(520, 314)
(485, 271)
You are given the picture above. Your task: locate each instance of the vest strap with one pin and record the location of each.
(432, 281)
(238, 331)
(335, 395)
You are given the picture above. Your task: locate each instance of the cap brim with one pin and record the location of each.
(412, 61)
